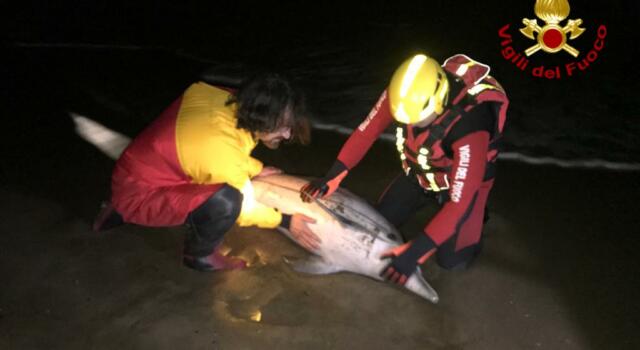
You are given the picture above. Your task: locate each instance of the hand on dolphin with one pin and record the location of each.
(300, 230)
(406, 258)
(324, 187)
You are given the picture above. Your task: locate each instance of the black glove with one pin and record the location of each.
(403, 264)
(326, 185)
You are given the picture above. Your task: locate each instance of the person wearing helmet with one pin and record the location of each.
(193, 166)
(449, 120)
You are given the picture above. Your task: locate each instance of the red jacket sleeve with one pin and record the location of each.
(467, 173)
(363, 137)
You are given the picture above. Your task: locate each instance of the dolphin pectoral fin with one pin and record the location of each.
(314, 265)
(420, 286)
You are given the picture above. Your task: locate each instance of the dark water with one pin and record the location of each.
(343, 55)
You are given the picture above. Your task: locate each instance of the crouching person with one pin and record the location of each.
(193, 166)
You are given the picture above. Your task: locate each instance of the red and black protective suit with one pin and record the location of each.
(451, 160)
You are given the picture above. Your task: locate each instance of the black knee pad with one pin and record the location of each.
(223, 206)
(449, 259)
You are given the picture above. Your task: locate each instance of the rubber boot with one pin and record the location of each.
(213, 262)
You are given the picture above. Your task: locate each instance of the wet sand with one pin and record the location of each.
(557, 271)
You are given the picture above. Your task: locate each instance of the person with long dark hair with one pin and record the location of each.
(193, 166)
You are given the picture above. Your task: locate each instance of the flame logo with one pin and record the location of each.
(552, 11)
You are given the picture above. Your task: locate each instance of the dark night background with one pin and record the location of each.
(121, 63)
(343, 55)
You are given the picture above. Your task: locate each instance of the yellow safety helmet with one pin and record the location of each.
(418, 88)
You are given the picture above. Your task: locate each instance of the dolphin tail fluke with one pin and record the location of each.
(420, 286)
(109, 142)
(314, 265)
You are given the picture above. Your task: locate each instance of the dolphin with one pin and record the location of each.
(353, 234)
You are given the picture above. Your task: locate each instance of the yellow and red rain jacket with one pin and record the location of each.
(184, 157)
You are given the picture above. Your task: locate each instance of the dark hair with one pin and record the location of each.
(268, 101)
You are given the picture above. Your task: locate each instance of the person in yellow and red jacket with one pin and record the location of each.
(449, 120)
(193, 166)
